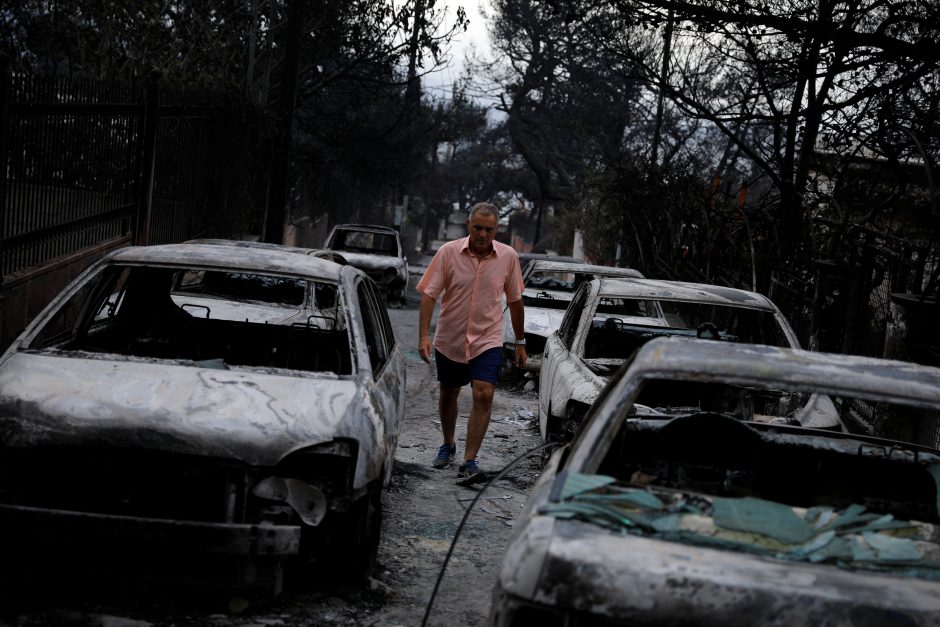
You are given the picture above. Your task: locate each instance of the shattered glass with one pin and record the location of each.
(849, 537)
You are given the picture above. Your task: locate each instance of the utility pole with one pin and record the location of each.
(413, 89)
(277, 193)
(412, 105)
(661, 102)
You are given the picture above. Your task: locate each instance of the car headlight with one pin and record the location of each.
(309, 482)
(306, 500)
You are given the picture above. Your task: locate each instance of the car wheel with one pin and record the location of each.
(552, 426)
(553, 433)
(357, 541)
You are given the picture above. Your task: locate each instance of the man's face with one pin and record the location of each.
(482, 229)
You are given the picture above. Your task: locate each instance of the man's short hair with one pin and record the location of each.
(486, 208)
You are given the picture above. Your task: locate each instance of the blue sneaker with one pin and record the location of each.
(445, 456)
(469, 474)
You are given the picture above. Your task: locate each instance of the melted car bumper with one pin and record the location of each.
(50, 527)
(591, 571)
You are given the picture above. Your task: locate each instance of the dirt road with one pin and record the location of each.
(422, 510)
(424, 505)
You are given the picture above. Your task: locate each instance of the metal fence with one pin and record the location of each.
(180, 155)
(87, 162)
(71, 155)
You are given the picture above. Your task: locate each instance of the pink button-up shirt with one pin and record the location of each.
(471, 317)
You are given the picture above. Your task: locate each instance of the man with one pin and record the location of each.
(473, 274)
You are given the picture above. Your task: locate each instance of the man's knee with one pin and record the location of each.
(483, 392)
(449, 393)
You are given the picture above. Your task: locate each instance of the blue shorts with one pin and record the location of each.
(483, 367)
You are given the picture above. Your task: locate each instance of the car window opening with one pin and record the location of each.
(212, 318)
(693, 463)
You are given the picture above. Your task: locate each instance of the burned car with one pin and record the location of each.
(692, 497)
(610, 318)
(377, 251)
(549, 286)
(192, 400)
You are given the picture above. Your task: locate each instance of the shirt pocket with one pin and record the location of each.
(494, 289)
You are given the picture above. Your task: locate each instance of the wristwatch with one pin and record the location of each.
(520, 342)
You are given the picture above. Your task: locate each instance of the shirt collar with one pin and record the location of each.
(465, 247)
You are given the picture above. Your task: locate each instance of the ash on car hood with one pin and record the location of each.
(253, 416)
(595, 570)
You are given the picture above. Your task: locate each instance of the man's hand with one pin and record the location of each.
(521, 355)
(425, 349)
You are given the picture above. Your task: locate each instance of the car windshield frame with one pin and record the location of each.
(602, 422)
(134, 310)
(762, 323)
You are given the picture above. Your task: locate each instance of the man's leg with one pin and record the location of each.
(447, 408)
(452, 376)
(479, 419)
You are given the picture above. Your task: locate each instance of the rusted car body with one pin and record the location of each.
(610, 318)
(204, 399)
(549, 287)
(377, 251)
(710, 512)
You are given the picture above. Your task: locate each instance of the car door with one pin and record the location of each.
(556, 360)
(387, 365)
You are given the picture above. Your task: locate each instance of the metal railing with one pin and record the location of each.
(70, 155)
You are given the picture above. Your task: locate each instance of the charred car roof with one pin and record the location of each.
(230, 257)
(580, 266)
(655, 289)
(799, 368)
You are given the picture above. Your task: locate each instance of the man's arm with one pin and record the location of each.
(517, 317)
(425, 349)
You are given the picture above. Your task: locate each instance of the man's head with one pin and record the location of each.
(482, 224)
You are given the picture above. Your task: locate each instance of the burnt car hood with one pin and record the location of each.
(595, 570)
(253, 416)
(372, 262)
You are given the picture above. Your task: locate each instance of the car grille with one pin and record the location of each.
(129, 482)
(375, 275)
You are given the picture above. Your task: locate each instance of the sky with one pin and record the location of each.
(439, 83)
